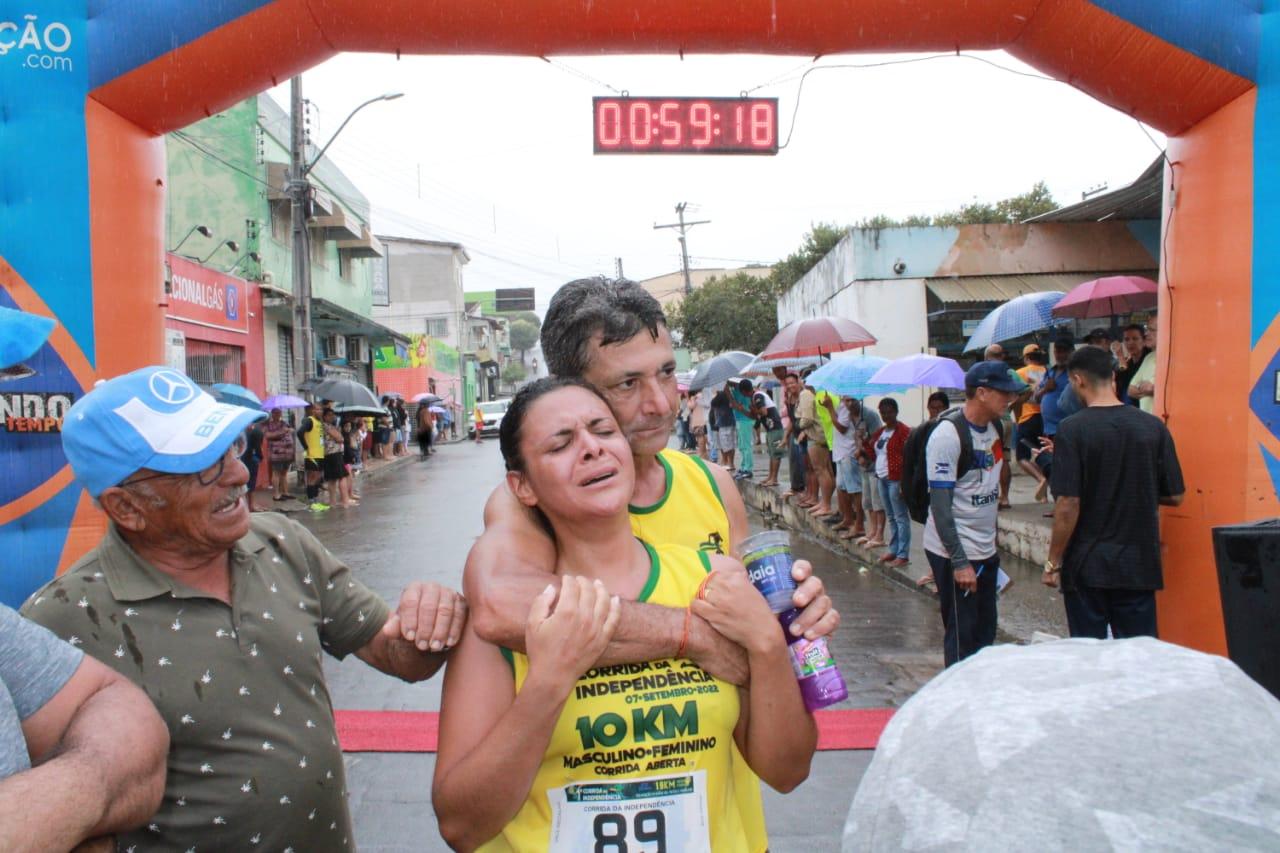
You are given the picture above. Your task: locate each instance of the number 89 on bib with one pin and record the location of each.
(666, 814)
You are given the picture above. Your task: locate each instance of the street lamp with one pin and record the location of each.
(230, 244)
(299, 187)
(389, 96)
(253, 256)
(204, 232)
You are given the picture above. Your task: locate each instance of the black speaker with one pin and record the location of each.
(1248, 558)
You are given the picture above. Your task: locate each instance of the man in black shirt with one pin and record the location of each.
(1113, 466)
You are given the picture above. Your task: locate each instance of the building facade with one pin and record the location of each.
(924, 289)
(418, 293)
(228, 217)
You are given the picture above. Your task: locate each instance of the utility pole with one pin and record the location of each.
(303, 340)
(299, 190)
(683, 228)
(617, 263)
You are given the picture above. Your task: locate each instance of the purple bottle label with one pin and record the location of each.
(810, 657)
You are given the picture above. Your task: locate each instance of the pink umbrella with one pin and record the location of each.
(1106, 297)
(817, 336)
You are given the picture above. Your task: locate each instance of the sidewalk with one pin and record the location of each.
(374, 469)
(1026, 608)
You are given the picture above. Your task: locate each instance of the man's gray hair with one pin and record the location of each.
(615, 309)
(144, 488)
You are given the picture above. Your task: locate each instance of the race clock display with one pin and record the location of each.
(627, 125)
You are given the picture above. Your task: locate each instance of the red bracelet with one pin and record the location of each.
(684, 638)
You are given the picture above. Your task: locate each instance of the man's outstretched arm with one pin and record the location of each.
(99, 750)
(508, 568)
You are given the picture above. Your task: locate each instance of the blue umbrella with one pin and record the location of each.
(1028, 313)
(851, 377)
(237, 395)
(934, 371)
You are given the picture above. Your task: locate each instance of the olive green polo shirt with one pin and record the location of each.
(254, 761)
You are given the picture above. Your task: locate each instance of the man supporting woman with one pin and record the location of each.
(524, 738)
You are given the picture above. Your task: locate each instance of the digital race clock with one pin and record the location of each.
(627, 125)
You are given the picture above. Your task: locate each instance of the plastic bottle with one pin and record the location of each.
(767, 557)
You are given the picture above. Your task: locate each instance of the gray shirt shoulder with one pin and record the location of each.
(34, 666)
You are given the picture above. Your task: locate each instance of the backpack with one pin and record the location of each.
(915, 469)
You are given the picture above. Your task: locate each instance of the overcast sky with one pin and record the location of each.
(496, 154)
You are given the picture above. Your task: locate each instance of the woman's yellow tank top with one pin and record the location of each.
(642, 754)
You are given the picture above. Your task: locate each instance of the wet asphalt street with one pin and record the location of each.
(418, 521)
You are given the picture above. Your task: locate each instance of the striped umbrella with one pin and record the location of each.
(719, 369)
(764, 366)
(851, 377)
(1028, 313)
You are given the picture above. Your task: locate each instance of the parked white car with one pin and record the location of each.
(493, 412)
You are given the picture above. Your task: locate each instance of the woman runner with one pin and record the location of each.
(550, 750)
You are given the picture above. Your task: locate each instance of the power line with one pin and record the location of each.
(882, 64)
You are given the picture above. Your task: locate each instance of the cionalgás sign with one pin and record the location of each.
(207, 297)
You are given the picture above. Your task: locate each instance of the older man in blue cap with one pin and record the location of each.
(96, 742)
(964, 458)
(222, 618)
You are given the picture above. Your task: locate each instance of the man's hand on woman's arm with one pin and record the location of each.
(510, 565)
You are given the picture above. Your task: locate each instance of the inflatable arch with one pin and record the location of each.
(88, 86)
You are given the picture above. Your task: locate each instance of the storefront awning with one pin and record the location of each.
(367, 246)
(338, 225)
(330, 318)
(1002, 288)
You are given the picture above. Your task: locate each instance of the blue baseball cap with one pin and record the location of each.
(995, 375)
(153, 418)
(21, 335)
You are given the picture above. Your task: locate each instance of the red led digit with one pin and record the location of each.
(669, 119)
(700, 123)
(737, 123)
(641, 123)
(762, 135)
(609, 123)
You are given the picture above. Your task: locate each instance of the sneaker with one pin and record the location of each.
(318, 507)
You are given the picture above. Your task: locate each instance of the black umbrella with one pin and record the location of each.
(720, 369)
(371, 411)
(346, 392)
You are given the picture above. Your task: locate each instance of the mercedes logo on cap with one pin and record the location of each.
(172, 387)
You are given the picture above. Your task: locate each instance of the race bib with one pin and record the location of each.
(666, 814)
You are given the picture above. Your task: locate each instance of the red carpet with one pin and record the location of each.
(416, 731)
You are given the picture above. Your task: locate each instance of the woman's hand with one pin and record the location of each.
(565, 643)
(736, 609)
